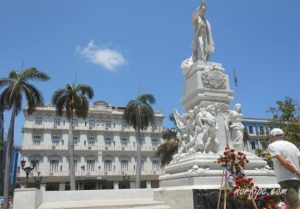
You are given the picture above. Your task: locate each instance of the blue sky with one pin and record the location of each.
(113, 45)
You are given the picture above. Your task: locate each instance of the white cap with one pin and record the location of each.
(276, 132)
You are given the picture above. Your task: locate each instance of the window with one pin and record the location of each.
(92, 123)
(154, 126)
(261, 130)
(108, 142)
(90, 165)
(75, 122)
(124, 125)
(38, 121)
(142, 165)
(108, 124)
(142, 142)
(155, 142)
(107, 165)
(124, 142)
(75, 140)
(36, 141)
(155, 165)
(75, 165)
(251, 130)
(124, 165)
(56, 122)
(53, 165)
(37, 164)
(55, 140)
(253, 145)
(91, 141)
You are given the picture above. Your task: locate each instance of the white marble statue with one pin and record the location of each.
(202, 44)
(235, 127)
(197, 131)
(209, 134)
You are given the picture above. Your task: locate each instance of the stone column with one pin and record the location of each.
(116, 185)
(97, 186)
(62, 186)
(132, 185)
(148, 184)
(43, 186)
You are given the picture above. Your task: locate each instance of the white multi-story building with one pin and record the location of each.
(257, 129)
(105, 149)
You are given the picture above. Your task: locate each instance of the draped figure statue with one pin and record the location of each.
(202, 44)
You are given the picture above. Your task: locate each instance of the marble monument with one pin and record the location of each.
(208, 124)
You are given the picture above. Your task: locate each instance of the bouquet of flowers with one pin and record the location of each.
(243, 189)
(232, 160)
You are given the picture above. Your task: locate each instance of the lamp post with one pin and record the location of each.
(38, 179)
(125, 179)
(28, 169)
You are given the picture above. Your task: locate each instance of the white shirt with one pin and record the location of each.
(290, 153)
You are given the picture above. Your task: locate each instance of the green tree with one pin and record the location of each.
(73, 100)
(139, 114)
(16, 86)
(286, 117)
(169, 148)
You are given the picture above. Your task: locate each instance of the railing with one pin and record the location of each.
(44, 147)
(82, 127)
(88, 148)
(94, 173)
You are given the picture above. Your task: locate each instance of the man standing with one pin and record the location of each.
(286, 166)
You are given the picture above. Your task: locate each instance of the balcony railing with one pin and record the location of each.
(87, 148)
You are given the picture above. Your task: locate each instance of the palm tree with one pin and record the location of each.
(72, 101)
(139, 114)
(16, 86)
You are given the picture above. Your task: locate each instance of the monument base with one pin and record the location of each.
(197, 197)
(202, 169)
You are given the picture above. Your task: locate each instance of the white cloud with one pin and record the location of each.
(105, 57)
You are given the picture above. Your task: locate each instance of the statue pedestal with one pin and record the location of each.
(206, 83)
(202, 169)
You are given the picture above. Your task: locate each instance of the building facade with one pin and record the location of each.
(104, 144)
(257, 129)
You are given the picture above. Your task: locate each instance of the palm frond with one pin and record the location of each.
(34, 74)
(75, 100)
(86, 90)
(13, 75)
(5, 82)
(57, 95)
(139, 113)
(34, 97)
(146, 98)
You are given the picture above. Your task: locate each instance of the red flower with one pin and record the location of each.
(233, 156)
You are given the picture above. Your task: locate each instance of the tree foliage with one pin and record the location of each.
(169, 148)
(286, 116)
(73, 100)
(139, 113)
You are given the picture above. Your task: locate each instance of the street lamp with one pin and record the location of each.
(38, 179)
(125, 177)
(28, 169)
(125, 181)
